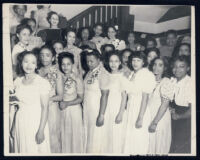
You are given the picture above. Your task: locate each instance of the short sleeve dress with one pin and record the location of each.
(72, 131)
(137, 140)
(95, 81)
(28, 116)
(160, 141)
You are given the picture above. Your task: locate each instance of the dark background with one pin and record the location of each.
(195, 3)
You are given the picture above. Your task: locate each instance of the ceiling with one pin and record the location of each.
(149, 13)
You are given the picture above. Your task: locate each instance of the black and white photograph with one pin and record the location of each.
(99, 79)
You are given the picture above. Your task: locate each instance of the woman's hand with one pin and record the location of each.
(152, 127)
(119, 118)
(138, 123)
(39, 138)
(100, 121)
(63, 105)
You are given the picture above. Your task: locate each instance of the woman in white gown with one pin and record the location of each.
(31, 130)
(95, 100)
(141, 85)
(160, 126)
(115, 111)
(71, 110)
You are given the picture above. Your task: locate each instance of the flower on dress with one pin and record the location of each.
(68, 83)
(93, 76)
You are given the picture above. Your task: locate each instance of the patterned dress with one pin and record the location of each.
(54, 111)
(72, 117)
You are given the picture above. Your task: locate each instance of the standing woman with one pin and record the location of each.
(98, 38)
(50, 72)
(54, 32)
(31, 129)
(131, 42)
(70, 37)
(141, 86)
(71, 109)
(115, 111)
(94, 104)
(152, 53)
(160, 125)
(182, 103)
(112, 39)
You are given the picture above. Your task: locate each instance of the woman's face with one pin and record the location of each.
(151, 56)
(137, 63)
(171, 39)
(29, 63)
(20, 10)
(24, 36)
(98, 30)
(150, 44)
(111, 33)
(66, 65)
(186, 39)
(108, 49)
(54, 20)
(58, 48)
(85, 34)
(125, 58)
(46, 57)
(32, 25)
(131, 38)
(158, 67)
(184, 50)
(114, 63)
(180, 69)
(92, 62)
(71, 37)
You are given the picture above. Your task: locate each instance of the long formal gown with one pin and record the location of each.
(116, 131)
(95, 139)
(28, 116)
(137, 139)
(54, 111)
(160, 140)
(72, 131)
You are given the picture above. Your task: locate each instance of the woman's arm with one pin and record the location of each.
(159, 115)
(102, 109)
(43, 119)
(143, 106)
(78, 100)
(59, 89)
(122, 107)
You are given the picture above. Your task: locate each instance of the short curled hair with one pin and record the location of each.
(165, 60)
(156, 50)
(103, 47)
(26, 20)
(82, 29)
(21, 27)
(50, 14)
(150, 39)
(51, 49)
(93, 52)
(19, 69)
(171, 31)
(15, 7)
(182, 58)
(63, 55)
(110, 54)
(137, 54)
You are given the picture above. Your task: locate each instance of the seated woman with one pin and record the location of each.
(181, 106)
(54, 32)
(112, 39)
(85, 36)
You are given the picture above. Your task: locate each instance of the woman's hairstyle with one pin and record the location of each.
(150, 39)
(21, 27)
(182, 58)
(138, 54)
(101, 25)
(124, 51)
(93, 52)
(108, 59)
(177, 49)
(51, 49)
(79, 34)
(62, 56)
(165, 60)
(66, 31)
(15, 7)
(171, 32)
(113, 27)
(156, 50)
(49, 16)
(103, 47)
(19, 69)
(58, 41)
(25, 21)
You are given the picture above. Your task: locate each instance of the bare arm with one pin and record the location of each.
(59, 89)
(123, 102)
(143, 106)
(103, 101)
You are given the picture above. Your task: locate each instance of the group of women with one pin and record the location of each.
(97, 94)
